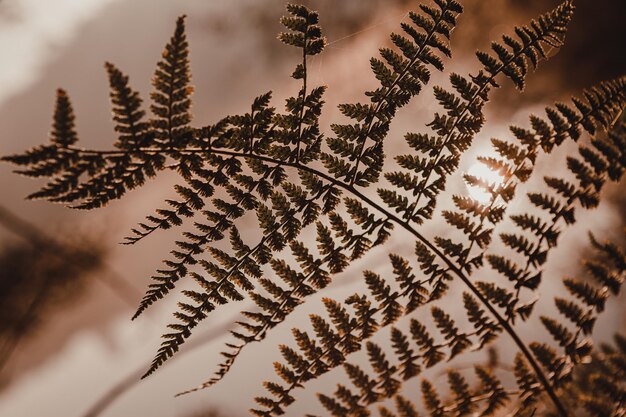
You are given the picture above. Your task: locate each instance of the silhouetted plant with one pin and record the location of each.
(41, 274)
(280, 167)
(599, 386)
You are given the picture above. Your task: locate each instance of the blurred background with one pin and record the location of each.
(68, 289)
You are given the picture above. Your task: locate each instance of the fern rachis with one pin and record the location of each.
(280, 166)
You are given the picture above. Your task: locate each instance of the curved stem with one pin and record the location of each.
(405, 225)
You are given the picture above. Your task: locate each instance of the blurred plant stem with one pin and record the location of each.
(76, 259)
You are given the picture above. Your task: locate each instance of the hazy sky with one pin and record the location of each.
(33, 31)
(63, 43)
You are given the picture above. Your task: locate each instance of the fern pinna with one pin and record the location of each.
(282, 167)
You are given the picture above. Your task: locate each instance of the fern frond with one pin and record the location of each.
(577, 349)
(407, 366)
(526, 381)
(240, 164)
(514, 57)
(278, 302)
(492, 388)
(241, 271)
(127, 112)
(57, 160)
(171, 98)
(598, 386)
(259, 132)
(485, 327)
(590, 173)
(369, 315)
(465, 400)
(455, 130)
(300, 127)
(357, 150)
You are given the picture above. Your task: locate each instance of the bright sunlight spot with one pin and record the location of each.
(480, 170)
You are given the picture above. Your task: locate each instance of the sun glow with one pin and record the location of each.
(481, 171)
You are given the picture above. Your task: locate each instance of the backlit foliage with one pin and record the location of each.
(280, 167)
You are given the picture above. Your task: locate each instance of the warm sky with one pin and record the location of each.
(90, 344)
